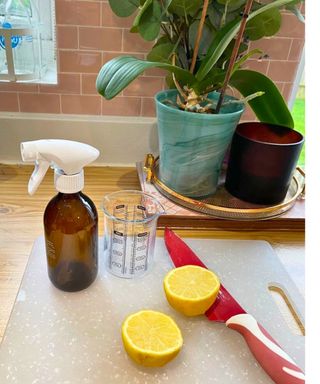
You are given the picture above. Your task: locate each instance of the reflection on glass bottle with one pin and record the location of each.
(20, 54)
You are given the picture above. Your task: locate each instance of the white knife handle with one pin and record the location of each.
(277, 364)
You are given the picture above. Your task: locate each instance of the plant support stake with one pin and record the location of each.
(234, 52)
(199, 35)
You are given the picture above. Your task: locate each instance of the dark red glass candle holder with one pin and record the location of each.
(261, 162)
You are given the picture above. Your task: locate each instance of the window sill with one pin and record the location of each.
(49, 77)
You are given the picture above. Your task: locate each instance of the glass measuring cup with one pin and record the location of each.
(130, 222)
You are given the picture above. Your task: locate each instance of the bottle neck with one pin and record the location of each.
(68, 183)
(74, 195)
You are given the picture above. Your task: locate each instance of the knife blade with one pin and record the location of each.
(273, 359)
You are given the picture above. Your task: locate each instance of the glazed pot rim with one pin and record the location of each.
(240, 107)
(270, 143)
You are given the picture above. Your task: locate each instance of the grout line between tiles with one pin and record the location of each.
(100, 14)
(60, 103)
(81, 75)
(18, 102)
(290, 50)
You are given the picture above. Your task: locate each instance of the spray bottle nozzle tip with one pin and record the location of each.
(28, 151)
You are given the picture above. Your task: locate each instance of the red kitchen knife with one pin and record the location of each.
(277, 364)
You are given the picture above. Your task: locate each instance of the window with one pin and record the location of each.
(297, 104)
(32, 54)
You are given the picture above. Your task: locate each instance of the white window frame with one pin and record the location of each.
(297, 80)
(49, 48)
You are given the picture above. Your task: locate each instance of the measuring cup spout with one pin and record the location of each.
(160, 209)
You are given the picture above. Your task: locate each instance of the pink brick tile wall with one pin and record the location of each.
(89, 34)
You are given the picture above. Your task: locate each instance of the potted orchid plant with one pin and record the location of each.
(203, 45)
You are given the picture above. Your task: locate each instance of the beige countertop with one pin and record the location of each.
(21, 223)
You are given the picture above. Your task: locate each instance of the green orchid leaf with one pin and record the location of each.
(266, 24)
(227, 34)
(134, 29)
(150, 21)
(169, 81)
(225, 57)
(119, 72)
(220, 43)
(270, 107)
(219, 37)
(142, 10)
(162, 40)
(220, 15)
(166, 5)
(245, 57)
(206, 38)
(161, 53)
(107, 71)
(184, 7)
(232, 3)
(124, 8)
(213, 15)
(212, 82)
(244, 100)
(183, 60)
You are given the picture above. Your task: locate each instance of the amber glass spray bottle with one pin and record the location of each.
(70, 218)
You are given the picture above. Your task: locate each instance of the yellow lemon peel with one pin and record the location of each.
(151, 338)
(191, 289)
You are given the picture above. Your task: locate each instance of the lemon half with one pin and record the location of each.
(191, 289)
(151, 338)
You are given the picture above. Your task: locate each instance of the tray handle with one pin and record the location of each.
(148, 168)
(302, 182)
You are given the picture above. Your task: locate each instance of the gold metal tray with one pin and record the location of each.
(222, 204)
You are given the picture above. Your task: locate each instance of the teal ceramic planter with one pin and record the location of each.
(192, 146)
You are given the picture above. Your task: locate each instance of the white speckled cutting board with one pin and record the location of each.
(74, 338)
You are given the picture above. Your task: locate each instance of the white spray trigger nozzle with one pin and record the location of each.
(66, 157)
(37, 176)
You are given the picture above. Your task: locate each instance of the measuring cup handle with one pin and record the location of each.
(105, 243)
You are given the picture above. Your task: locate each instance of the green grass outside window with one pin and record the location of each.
(298, 112)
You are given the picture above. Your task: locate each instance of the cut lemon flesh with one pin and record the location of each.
(191, 289)
(151, 338)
